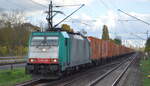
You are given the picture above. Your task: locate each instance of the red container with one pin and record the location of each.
(103, 49)
(96, 46)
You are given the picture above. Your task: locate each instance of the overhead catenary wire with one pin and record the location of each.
(69, 15)
(21, 7)
(134, 17)
(108, 6)
(138, 19)
(67, 5)
(104, 4)
(113, 4)
(15, 4)
(137, 36)
(38, 4)
(54, 5)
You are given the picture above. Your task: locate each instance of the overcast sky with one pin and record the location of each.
(93, 15)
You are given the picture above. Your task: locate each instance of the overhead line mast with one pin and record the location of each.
(52, 27)
(50, 14)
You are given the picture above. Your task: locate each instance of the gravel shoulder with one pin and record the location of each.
(133, 75)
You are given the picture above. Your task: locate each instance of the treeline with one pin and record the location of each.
(14, 34)
(147, 47)
(13, 40)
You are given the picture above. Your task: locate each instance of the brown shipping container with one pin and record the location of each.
(95, 48)
(102, 49)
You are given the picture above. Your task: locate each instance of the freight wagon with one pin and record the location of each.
(106, 50)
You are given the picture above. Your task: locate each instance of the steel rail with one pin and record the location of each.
(93, 83)
(69, 82)
(122, 73)
(29, 83)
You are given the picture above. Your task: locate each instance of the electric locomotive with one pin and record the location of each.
(53, 53)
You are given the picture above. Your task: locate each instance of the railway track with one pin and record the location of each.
(29, 83)
(114, 74)
(69, 80)
(81, 78)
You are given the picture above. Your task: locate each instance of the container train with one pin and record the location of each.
(51, 54)
(56, 52)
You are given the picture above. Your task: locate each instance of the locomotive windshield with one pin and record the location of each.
(44, 47)
(44, 41)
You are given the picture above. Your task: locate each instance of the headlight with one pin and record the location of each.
(55, 60)
(32, 60)
(43, 49)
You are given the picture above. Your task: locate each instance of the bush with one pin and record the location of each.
(3, 51)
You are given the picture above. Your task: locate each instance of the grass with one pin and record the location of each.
(11, 77)
(145, 67)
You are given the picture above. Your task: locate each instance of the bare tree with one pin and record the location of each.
(13, 18)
